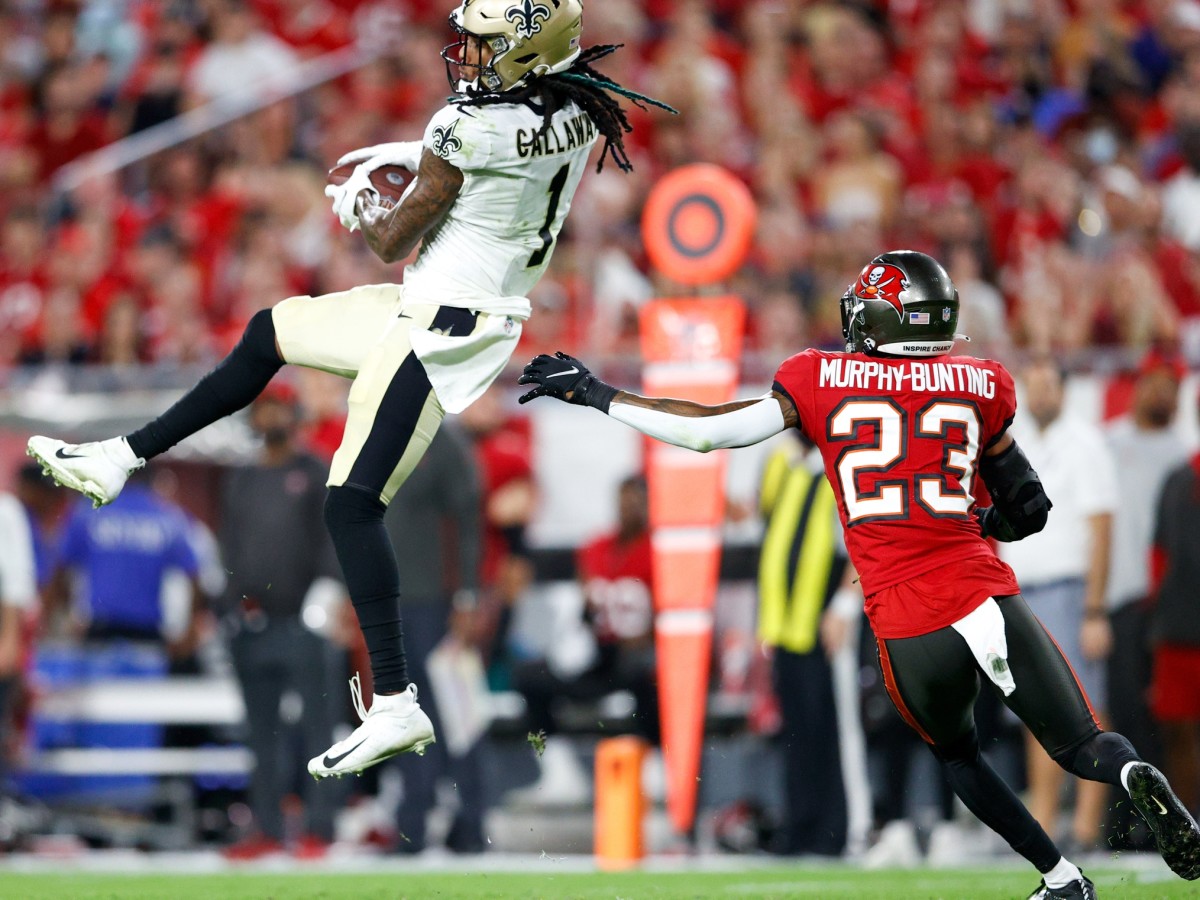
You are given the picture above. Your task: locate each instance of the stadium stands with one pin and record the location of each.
(162, 166)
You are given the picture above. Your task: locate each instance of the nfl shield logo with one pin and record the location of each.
(946, 313)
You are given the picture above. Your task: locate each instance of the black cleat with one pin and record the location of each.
(1079, 889)
(1174, 829)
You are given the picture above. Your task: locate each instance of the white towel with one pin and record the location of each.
(461, 368)
(983, 630)
(460, 691)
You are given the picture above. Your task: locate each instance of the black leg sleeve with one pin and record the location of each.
(994, 803)
(237, 380)
(355, 521)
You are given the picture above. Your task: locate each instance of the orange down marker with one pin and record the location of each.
(691, 348)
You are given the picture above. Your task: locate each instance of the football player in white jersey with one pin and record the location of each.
(495, 175)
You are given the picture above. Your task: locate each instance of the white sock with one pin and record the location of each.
(1063, 873)
(122, 454)
(395, 702)
(1125, 769)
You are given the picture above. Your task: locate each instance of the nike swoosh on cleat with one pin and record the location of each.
(330, 763)
(570, 371)
(1162, 810)
(61, 455)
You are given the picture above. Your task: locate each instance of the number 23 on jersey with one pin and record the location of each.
(877, 437)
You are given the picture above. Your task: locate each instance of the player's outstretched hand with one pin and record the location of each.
(406, 154)
(559, 376)
(564, 377)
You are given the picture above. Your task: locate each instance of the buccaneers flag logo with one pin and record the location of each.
(883, 281)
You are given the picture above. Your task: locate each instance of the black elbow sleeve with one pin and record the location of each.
(1020, 505)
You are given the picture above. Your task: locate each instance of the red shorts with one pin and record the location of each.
(938, 598)
(1175, 686)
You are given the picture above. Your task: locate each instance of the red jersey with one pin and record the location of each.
(901, 441)
(616, 581)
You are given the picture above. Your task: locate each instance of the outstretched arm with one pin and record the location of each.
(393, 233)
(679, 422)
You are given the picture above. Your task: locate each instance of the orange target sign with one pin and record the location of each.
(698, 224)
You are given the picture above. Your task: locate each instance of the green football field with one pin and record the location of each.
(825, 882)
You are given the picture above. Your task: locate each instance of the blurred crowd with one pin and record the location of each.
(1049, 152)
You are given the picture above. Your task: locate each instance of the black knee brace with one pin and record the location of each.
(961, 750)
(1099, 757)
(350, 506)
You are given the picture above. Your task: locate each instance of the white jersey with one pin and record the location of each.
(498, 236)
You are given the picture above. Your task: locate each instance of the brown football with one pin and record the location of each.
(389, 181)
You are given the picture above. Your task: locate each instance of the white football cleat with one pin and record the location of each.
(98, 469)
(395, 724)
(896, 847)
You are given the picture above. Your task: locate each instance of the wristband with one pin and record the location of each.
(591, 391)
(1095, 613)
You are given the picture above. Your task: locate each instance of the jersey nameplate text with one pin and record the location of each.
(577, 132)
(928, 377)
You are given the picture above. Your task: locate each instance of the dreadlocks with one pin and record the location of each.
(590, 90)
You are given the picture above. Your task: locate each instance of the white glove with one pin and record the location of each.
(406, 154)
(345, 197)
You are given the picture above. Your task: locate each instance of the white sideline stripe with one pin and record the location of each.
(683, 621)
(671, 457)
(144, 761)
(179, 700)
(700, 372)
(677, 539)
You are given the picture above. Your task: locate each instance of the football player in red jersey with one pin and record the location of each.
(909, 437)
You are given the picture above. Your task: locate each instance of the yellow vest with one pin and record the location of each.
(800, 566)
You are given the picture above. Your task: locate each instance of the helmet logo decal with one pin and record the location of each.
(883, 282)
(946, 311)
(528, 17)
(444, 140)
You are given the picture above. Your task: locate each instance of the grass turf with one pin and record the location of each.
(833, 882)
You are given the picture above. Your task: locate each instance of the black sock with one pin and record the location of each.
(355, 520)
(1100, 758)
(237, 380)
(994, 803)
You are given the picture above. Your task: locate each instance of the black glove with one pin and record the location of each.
(559, 375)
(993, 525)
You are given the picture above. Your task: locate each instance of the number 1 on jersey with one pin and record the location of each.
(556, 188)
